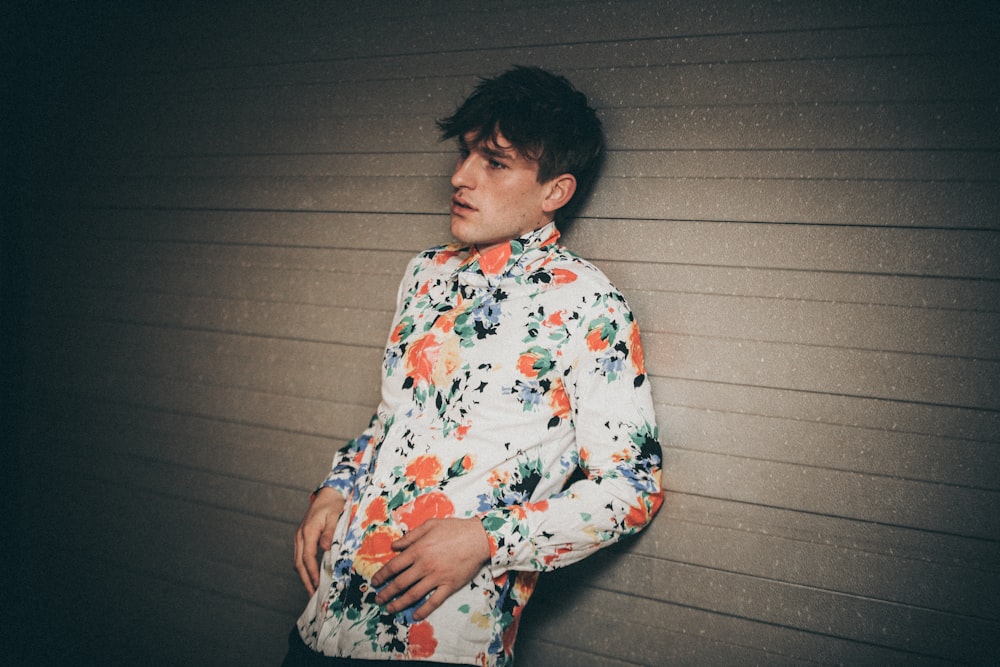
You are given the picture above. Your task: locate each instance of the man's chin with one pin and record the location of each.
(460, 230)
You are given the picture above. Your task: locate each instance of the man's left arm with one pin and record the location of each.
(617, 449)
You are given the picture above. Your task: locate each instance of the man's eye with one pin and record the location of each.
(496, 164)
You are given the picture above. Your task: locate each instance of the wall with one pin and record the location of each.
(801, 203)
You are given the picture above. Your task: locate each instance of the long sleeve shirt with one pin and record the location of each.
(504, 373)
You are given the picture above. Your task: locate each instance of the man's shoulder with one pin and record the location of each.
(576, 270)
(439, 255)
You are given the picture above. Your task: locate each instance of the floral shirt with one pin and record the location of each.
(503, 374)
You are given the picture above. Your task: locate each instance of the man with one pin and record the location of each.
(516, 431)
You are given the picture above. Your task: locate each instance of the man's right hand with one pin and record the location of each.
(315, 534)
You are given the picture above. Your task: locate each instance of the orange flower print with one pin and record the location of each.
(518, 512)
(353, 513)
(375, 551)
(656, 500)
(421, 641)
(446, 254)
(553, 237)
(495, 258)
(595, 339)
(563, 276)
(540, 506)
(559, 400)
(560, 551)
(524, 585)
(494, 547)
(510, 632)
(433, 505)
(498, 478)
(639, 516)
(526, 364)
(377, 512)
(635, 345)
(555, 319)
(425, 471)
(420, 358)
(447, 361)
(636, 516)
(445, 322)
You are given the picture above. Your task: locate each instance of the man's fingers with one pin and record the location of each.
(399, 585)
(316, 533)
(439, 556)
(413, 596)
(298, 549)
(390, 570)
(412, 536)
(304, 577)
(326, 538)
(411, 593)
(305, 561)
(435, 599)
(305, 557)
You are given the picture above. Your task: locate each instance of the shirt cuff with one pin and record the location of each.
(341, 486)
(508, 533)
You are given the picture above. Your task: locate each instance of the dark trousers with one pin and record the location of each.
(300, 655)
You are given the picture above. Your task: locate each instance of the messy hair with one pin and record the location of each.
(544, 118)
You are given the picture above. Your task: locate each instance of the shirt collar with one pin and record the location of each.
(503, 260)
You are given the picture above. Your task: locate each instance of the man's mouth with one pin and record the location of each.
(459, 205)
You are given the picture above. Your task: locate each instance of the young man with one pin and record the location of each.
(516, 431)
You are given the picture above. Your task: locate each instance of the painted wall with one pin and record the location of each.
(801, 203)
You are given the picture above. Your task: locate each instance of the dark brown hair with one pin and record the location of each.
(544, 118)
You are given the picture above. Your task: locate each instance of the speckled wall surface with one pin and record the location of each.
(801, 202)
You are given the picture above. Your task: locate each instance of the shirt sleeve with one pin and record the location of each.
(346, 465)
(616, 448)
(347, 461)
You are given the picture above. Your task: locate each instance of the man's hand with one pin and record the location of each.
(315, 530)
(438, 558)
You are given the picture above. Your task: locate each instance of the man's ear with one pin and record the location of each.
(561, 189)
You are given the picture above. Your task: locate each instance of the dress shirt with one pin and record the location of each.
(504, 373)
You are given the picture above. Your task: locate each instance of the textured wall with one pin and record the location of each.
(801, 203)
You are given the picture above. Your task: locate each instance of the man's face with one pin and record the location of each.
(497, 194)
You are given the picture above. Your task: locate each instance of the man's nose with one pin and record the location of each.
(462, 177)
